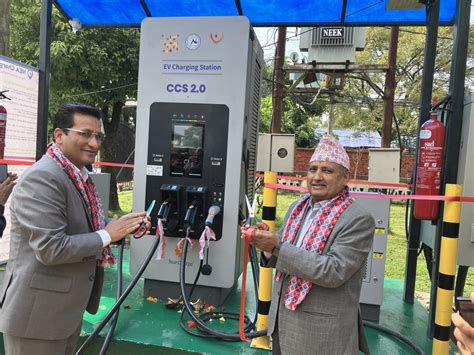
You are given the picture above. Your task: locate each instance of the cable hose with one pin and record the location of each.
(201, 325)
(396, 335)
(204, 316)
(460, 280)
(110, 333)
(122, 298)
(428, 253)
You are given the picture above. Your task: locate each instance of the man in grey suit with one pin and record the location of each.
(59, 241)
(319, 255)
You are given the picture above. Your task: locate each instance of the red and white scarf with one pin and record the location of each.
(89, 194)
(314, 239)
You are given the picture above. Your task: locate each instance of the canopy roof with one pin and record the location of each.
(95, 13)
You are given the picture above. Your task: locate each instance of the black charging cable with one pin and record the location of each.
(121, 299)
(200, 320)
(110, 333)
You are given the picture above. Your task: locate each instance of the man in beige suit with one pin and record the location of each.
(319, 255)
(59, 241)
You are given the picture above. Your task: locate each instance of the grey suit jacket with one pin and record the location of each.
(327, 321)
(52, 267)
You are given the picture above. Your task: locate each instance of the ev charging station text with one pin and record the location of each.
(191, 88)
(203, 68)
(190, 68)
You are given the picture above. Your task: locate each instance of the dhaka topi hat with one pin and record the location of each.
(329, 149)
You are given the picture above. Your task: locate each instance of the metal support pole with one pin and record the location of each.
(266, 273)
(44, 76)
(453, 133)
(447, 270)
(425, 106)
(332, 103)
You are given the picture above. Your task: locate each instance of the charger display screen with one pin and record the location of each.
(187, 143)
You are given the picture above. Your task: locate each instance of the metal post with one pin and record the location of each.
(44, 76)
(447, 262)
(425, 106)
(266, 273)
(332, 103)
(453, 133)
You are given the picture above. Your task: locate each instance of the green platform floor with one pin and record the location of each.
(146, 327)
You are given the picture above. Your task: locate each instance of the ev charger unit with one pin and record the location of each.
(196, 141)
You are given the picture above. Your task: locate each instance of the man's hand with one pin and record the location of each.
(261, 238)
(119, 228)
(464, 333)
(6, 188)
(260, 225)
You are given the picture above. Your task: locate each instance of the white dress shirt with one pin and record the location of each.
(104, 235)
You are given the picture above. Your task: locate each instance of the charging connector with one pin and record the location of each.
(192, 212)
(212, 212)
(165, 209)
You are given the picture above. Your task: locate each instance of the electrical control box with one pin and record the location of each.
(276, 152)
(371, 295)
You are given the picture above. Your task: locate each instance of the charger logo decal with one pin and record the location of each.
(216, 38)
(193, 41)
(170, 43)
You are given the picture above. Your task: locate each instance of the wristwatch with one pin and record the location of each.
(276, 249)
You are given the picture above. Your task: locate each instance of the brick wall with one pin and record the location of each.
(408, 163)
(359, 163)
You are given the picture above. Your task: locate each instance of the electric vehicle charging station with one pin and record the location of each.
(196, 141)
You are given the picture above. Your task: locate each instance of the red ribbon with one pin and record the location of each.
(248, 235)
(351, 182)
(382, 196)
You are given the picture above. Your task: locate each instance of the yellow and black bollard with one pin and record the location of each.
(266, 273)
(447, 270)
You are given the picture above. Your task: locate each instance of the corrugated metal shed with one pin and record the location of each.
(355, 139)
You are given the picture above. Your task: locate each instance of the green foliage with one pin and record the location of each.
(265, 114)
(298, 118)
(360, 107)
(95, 66)
(301, 118)
(267, 82)
(98, 67)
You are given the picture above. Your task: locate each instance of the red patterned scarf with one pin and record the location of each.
(314, 240)
(89, 194)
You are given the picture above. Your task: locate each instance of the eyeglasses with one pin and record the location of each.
(99, 136)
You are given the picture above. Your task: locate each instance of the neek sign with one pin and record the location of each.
(333, 32)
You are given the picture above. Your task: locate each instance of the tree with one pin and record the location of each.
(360, 104)
(299, 117)
(97, 67)
(4, 26)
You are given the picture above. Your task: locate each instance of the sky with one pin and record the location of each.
(267, 37)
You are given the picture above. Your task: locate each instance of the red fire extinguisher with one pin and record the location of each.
(430, 164)
(3, 124)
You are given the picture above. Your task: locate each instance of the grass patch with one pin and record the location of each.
(126, 203)
(396, 244)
